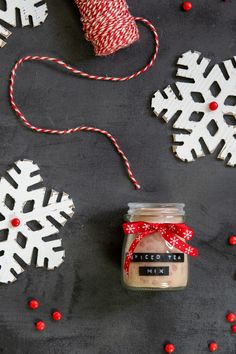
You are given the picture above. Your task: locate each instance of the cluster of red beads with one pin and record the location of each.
(213, 346)
(231, 317)
(33, 304)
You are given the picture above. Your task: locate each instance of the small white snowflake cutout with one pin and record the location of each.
(146, 227)
(188, 234)
(188, 250)
(29, 221)
(31, 12)
(203, 108)
(162, 230)
(174, 241)
(130, 229)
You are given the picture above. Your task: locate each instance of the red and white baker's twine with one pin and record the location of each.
(89, 76)
(108, 24)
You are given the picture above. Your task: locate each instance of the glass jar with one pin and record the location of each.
(155, 264)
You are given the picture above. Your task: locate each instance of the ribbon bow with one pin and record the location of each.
(169, 232)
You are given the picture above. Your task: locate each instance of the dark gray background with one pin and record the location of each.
(99, 315)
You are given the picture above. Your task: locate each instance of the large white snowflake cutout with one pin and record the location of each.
(31, 12)
(203, 106)
(29, 220)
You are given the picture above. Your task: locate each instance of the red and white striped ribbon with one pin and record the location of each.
(172, 233)
(89, 76)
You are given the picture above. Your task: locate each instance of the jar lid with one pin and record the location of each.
(156, 208)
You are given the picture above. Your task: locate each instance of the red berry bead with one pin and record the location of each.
(213, 106)
(232, 240)
(33, 304)
(56, 316)
(169, 348)
(187, 5)
(15, 222)
(231, 317)
(40, 325)
(213, 347)
(233, 328)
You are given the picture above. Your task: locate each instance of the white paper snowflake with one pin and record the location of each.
(29, 221)
(190, 104)
(31, 12)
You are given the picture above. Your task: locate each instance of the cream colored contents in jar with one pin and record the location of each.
(169, 275)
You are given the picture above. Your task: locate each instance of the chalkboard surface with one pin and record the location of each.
(99, 316)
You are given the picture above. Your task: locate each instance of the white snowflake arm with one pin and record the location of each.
(27, 9)
(193, 67)
(38, 227)
(30, 10)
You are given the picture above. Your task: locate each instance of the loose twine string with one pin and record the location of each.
(89, 76)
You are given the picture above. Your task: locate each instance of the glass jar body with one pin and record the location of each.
(155, 264)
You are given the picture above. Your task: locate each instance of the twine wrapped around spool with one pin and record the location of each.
(108, 25)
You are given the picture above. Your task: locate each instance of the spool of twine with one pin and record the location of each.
(107, 24)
